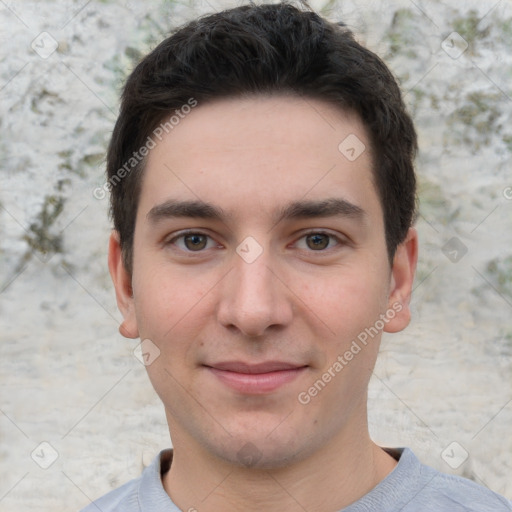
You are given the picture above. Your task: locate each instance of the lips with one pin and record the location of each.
(255, 378)
(267, 367)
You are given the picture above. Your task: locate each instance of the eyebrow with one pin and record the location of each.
(332, 207)
(193, 209)
(302, 209)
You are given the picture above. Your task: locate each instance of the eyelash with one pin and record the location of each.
(183, 234)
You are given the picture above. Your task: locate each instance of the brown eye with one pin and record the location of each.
(317, 241)
(195, 241)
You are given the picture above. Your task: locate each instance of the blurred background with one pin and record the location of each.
(78, 416)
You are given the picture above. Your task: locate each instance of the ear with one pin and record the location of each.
(402, 278)
(123, 285)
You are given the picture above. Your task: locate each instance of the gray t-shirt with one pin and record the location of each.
(410, 487)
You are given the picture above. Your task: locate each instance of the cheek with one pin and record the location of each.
(346, 301)
(164, 300)
(168, 309)
(350, 303)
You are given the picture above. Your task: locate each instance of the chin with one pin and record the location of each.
(262, 452)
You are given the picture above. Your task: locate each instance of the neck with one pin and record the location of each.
(341, 472)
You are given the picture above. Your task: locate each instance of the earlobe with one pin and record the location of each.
(402, 278)
(123, 286)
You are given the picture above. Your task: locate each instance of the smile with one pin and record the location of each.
(255, 379)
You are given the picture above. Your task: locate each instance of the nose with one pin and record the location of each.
(254, 297)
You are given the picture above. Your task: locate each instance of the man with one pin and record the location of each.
(263, 197)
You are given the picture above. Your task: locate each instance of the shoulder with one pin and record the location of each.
(430, 489)
(123, 498)
(456, 493)
(140, 494)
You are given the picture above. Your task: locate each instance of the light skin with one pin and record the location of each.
(303, 301)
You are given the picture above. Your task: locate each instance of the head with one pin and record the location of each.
(260, 51)
(284, 148)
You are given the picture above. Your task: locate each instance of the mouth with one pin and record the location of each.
(255, 379)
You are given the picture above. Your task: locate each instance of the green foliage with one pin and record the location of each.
(402, 34)
(499, 272)
(507, 139)
(433, 205)
(480, 111)
(39, 236)
(504, 31)
(467, 27)
(476, 121)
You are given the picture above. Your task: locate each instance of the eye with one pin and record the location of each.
(319, 241)
(191, 241)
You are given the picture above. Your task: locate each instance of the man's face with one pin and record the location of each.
(251, 306)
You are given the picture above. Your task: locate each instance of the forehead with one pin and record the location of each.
(252, 153)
